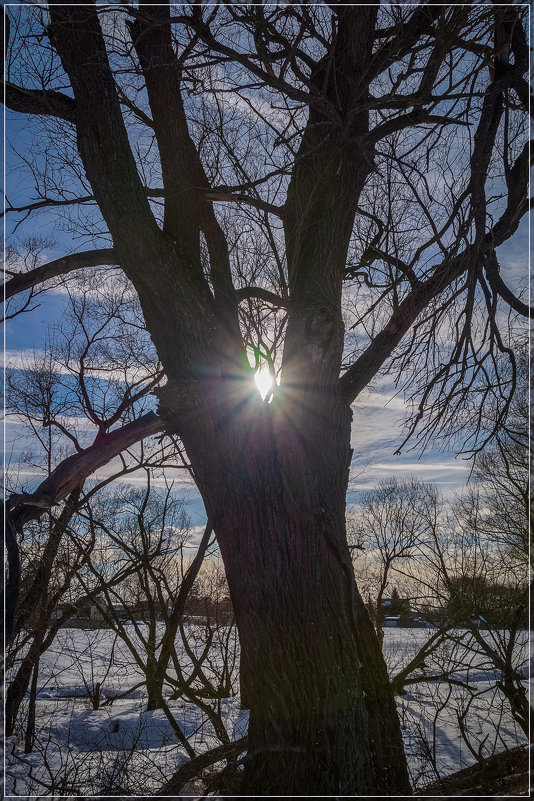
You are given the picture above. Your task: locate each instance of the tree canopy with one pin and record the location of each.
(321, 191)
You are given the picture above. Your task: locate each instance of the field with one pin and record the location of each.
(121, 748)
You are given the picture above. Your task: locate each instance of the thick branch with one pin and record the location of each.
(220, 195)
(181, 169)
(499, 287)
(358, 376)
(416, 117)
(184, 178)
(39, 101)
(73, 471)
(34, 101)
(193, 767)
(103, 141)
(329, 173)
(53, 269)
(258, 292)
(518, 204)
(399, 680)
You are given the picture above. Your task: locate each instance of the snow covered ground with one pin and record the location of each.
(123, 749)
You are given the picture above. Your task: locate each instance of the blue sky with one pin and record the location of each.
(377, 431)
(378, 415)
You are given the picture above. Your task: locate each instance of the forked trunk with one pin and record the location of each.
(322, 715)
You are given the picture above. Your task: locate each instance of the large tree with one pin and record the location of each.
(365, 164)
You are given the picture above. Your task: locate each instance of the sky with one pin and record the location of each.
(376, 430)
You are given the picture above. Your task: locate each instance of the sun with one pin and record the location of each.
(263, 381)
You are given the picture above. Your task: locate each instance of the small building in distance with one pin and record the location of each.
(396, 613)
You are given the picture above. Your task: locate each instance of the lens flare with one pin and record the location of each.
(263, 381)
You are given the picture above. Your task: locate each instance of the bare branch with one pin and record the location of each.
(40, 101)
(356, 378)
(405, 36)
(499, 287)
(63, 266)
(218, 195)
(262, 294)
(416, 117)
(190, 769)
(47, 202)
(313, 98)
(73, 471)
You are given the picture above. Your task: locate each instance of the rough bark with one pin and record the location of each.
(273, 477)
(322, 717)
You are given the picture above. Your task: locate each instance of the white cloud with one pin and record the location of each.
(377, 432)
(432, 466)
(31, 358)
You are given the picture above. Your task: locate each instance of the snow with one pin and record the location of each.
(123, 748)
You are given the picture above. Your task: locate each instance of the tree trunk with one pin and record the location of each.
(19, 685)
(95, 698)
(380, 616)
(273, 477)
(32, 705)
(322, 715)
(154, 683)
(154, 687)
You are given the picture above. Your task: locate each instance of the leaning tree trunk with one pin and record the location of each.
(18, 686)
(322, 715)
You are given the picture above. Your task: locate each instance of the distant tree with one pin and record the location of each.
(478, 587)
(371, 160)
(391, 526)
(147, 529)
(502, 480)
(50, 596)
(490, 577)
(465, 570)
(395, 599)
(59, 401)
